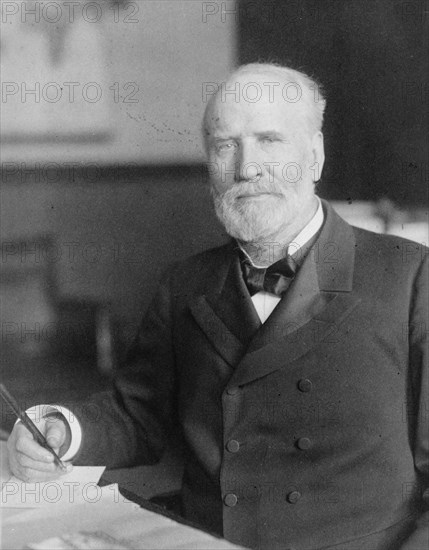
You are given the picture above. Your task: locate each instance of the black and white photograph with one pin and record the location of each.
(214, 305)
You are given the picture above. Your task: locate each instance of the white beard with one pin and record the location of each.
(251, 220)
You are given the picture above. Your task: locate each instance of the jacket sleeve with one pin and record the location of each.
(419, 365)
(130, 424)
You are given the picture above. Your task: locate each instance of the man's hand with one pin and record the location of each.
(27, 459)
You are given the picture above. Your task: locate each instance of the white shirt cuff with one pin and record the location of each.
(40, 411)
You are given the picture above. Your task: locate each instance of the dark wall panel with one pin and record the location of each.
(371, 56)
(113, 235)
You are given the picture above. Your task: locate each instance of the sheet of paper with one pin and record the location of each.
(79, 485)
(120, 522)
(84, 541)
(103, 519)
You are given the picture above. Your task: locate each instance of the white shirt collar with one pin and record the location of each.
(303, 236)
(308, 231)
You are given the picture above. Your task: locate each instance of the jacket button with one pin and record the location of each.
(304, 385)
(303, 443)
(233, 446)
(230, 499)
(293, 497)
(232, 391)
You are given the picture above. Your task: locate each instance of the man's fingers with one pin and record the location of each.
(55, 437)
(32, 471)
(55, 434)
(27, 446)
(28, 463)
(20, 431)
(33, 475)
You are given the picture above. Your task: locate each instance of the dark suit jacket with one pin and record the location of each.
(307, 432)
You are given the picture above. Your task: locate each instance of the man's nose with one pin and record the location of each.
(247, 166)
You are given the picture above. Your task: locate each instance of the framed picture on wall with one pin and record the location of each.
(109, 82)
(53, 71)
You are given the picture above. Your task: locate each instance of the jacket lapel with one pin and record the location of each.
(315, 304)
(301, 302)
(225, 312)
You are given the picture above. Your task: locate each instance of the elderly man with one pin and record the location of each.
(293, 359)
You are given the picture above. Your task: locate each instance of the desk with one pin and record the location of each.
(131, 522)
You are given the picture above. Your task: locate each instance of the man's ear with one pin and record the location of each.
(318, 151)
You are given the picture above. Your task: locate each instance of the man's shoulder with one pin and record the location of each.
(389, 247)
(370, 248)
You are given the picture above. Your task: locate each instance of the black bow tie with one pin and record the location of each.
(275, 279)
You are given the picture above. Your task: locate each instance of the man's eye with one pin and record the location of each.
(225, 146)
(268, 139)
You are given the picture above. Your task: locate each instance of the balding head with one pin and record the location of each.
(267, 82)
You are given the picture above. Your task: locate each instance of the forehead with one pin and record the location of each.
(255, 103)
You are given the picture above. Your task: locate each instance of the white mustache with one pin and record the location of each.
(249, 188)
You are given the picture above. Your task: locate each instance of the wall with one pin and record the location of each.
(371, 58)
(116, 182)
(146, 61)
(114, 237)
